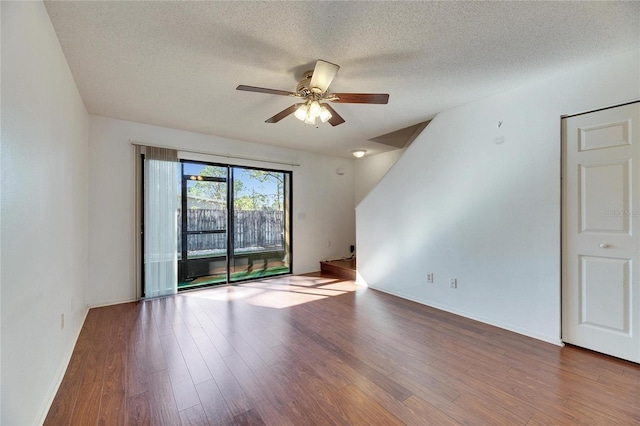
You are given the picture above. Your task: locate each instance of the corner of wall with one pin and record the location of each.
(64, 363)
(370, 170)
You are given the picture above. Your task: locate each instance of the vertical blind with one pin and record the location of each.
(160, 222)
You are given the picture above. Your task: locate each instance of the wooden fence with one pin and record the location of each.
(253, 229)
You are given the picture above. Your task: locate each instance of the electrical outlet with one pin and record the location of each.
(430, 277)
(453, 282)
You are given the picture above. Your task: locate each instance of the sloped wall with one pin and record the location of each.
(369, 170)
(481, 203)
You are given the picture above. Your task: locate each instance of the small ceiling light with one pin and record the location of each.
(359, 153)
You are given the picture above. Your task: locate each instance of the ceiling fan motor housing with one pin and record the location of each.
(303, 85)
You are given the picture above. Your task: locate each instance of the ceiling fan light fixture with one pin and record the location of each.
(311, 111)
(301, 112)
(325, 115)
(359, 153)
(310, 120)
(314, 109)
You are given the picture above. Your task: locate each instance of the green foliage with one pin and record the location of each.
(244, 198)
(253, 201)
(278, 179)
(215, 191)
(265, 176)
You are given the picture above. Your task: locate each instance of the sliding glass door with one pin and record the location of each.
(233, 224)
(260, 231)
(202, 245)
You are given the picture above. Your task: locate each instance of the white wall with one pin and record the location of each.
(370, 169)
(459, 205)
(44, 212)
(323, 208)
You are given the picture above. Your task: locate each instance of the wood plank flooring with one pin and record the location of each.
(312, 350)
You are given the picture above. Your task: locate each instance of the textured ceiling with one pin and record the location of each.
(177, 64)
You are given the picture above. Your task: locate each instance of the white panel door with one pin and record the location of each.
(601, 231)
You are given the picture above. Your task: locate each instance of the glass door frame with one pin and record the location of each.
(184, 227)
(287, 241)
(230, 214)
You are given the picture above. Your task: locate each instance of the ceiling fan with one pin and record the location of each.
(312, 90)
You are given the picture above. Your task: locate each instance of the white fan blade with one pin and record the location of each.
(323, 75)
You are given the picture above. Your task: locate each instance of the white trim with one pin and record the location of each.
(624, 103)
(216, 154)
(235, 161)
(117, 302)
(518, 330)
(62, 369)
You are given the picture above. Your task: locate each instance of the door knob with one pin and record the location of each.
(604, 245)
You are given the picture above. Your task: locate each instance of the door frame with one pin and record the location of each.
(183, 206)
(230, 243)
(563, 279)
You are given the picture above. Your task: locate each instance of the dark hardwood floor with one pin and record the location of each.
(309, 350)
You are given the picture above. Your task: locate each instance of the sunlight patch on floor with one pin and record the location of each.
(320, 291)
(301, 280)
(278, 293)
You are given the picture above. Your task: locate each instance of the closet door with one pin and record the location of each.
(601, 224)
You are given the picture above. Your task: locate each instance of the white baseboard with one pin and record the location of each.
(62, 369)
(518, 330)
(117, 302)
